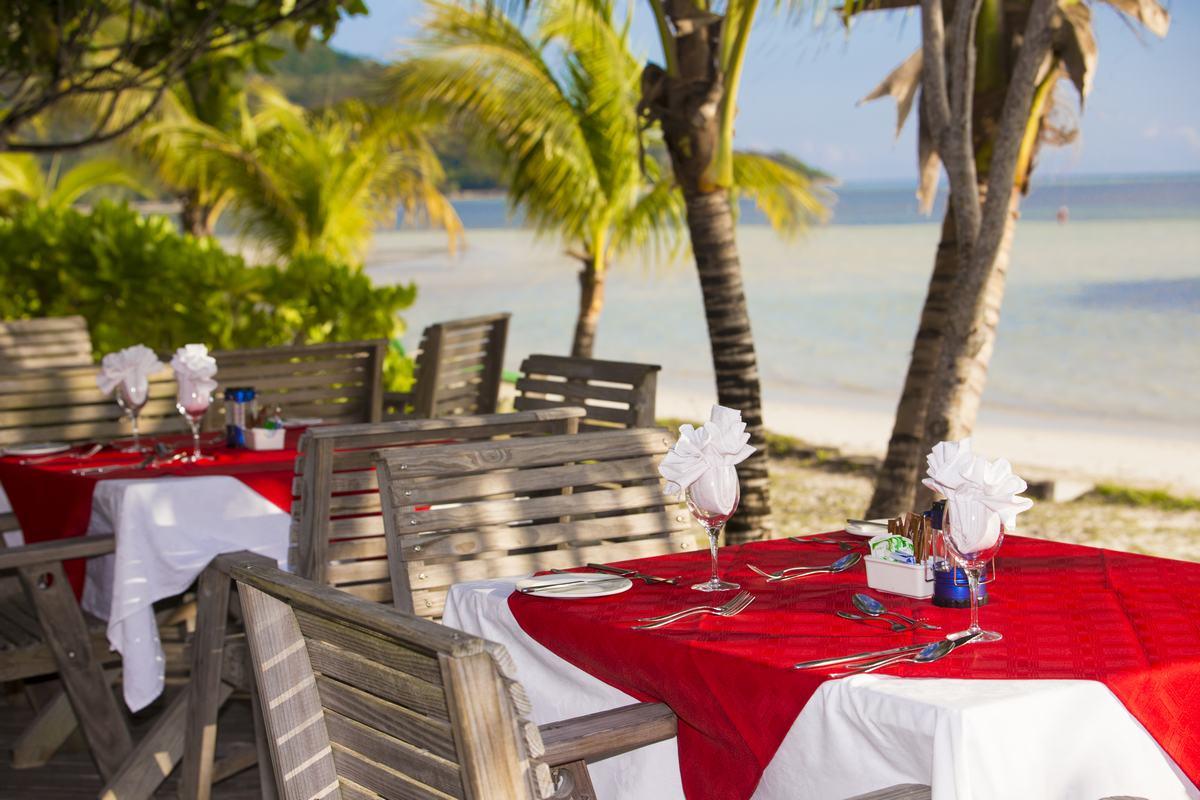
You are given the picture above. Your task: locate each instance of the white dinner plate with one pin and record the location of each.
(594, 585)
(867, 530)
(36, 449)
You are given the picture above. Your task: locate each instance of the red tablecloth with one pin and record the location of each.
(1066, 611)
(52, 503)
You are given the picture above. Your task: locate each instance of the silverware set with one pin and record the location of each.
(791, 573)
(81, 455)
(735, 605)
(845, 547)
(161, 456)
(550, 588)
(631, 573)
(925, 653)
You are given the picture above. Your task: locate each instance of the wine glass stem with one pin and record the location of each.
(714, 534)
(137, 442)
(973, 585)
(195, 423)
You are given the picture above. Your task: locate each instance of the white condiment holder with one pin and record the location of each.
(265, 438)
(910, 580)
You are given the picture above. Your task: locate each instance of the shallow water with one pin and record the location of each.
(1101, 317)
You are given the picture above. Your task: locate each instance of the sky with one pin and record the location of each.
(801, 86)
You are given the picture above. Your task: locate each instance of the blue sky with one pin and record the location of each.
(801, 85)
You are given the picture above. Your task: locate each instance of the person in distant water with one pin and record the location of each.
(1063, 215)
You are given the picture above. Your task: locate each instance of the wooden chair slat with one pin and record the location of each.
(458, 367)
(576, 392)
(370, 546)
(471, 487)
(615, 393)
(380, 780)
(373, 746)
(45, 342)
(434, 735)
(419, 664)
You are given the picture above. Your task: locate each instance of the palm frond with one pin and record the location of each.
(790, 198)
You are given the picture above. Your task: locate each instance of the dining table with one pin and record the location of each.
(169, 520)
(1093, 691)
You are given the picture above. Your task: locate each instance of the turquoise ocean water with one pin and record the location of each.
(1101, 320)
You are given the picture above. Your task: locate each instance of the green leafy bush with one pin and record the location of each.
(136, 279)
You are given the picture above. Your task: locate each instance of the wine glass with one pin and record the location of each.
(712, 500)
(193, 402)
(131, 399)
(972, 563)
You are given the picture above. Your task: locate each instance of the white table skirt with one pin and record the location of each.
(969, 740)
(167, 530)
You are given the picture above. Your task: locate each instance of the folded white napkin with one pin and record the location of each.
(981, 495)
(194, 371)
(132, 366)
(706, 457)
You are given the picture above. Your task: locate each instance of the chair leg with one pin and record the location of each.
(100, 718)
(208, 648)
(266, 774)
(50, 729)
(572, 782)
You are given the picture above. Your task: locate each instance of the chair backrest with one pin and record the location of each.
(337, 523)
(338, 382)
(615, 394)
(66, 405)
(44, 342)
(459, 367)
(498, 509)
(359, 700)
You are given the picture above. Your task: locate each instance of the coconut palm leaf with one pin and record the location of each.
(22, 180)
(790, 198)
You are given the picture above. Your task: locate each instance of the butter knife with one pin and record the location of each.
(632, 573)
(546, 587)
(867, 656)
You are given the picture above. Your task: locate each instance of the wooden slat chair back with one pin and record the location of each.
(360, 701)
(615, 394)
(498, 509)
(337, 524)
(458, 370)
(43, 343)
(338, 382)
(66, 405)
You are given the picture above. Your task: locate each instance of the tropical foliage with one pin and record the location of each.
(136, 279)
(307, 183)
(24, 181)
(558, 108)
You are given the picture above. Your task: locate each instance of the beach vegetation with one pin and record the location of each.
(136, 279)
(984, 85)
(1142, 498)
(557, 108)
(26, 179)
(100, 53)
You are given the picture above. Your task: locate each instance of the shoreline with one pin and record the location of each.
(1041, 447)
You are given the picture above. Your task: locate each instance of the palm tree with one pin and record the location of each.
(558, 109)
(22, 180)
(999, 31)
(316, 182)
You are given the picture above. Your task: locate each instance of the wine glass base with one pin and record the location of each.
(133, 448)
(197, 459)
(984, 636)
(715, 586)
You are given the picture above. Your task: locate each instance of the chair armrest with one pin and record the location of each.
(58, 550)
(609, 733)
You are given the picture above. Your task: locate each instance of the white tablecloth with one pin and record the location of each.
(969, 740)
(167, 531)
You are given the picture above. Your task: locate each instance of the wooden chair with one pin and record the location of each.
(66, 405)
(44, 632)
(458, 369)
(337, 527)
(44, 342)
(616, 394)
(359, 700)
(498, 509)
(339, 382)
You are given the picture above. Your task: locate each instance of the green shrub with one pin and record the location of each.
(136, 279)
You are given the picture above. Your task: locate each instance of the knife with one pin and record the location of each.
(867, 656)
(545, 587)
(632, 573)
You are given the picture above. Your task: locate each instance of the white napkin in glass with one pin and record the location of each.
(981, 495)
(132, 366)
(706, 457)
(194, 371)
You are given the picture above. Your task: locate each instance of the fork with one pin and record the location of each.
(735, 605)
(845, 547)
(78, 456)
(841, 565)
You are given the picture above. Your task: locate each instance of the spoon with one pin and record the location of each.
(895, 626)
(931, 652)
(841, 565)
(873, 608)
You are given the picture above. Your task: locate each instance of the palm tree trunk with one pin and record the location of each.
(954, 407)
(711, 225)
(591, 302)
(193, 215)
(896, 483)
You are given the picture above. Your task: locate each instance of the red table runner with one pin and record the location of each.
(52, 503)
(1066, 611)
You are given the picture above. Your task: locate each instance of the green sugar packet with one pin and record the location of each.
(893, 547)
